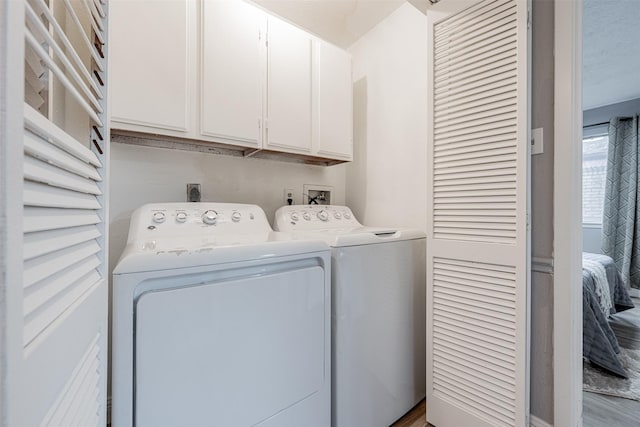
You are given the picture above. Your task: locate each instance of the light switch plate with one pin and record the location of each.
(537, 144)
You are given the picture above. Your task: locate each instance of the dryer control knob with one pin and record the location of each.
(236, 216)
(181, 216)
(323, 216)
(210, 217)
(295, 217)
(306, 216)
(338, 215)
(347, 215)
(158, 217)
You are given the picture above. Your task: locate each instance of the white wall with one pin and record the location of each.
(386, 183)
(142, 175)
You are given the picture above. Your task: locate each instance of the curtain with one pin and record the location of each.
(621, 216)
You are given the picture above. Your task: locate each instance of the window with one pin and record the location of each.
(594, 177)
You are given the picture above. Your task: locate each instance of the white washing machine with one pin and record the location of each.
(219, 321)
(378, 315)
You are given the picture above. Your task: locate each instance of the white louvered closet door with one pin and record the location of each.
(477, 262)
(59, 356)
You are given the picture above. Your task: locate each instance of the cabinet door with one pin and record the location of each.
(334, 103)
(150, 59)
(231, 105)
(288, 88)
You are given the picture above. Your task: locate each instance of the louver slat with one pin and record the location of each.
(39, 219)
(508, 106)
(484, 174)
(39, 171)
(482, 185)
(497, 19)
(463, 18)
(37, 244)
(472, 368)
(491, 395)
(45, 315)
(479, 53)
(36, 194)
(478, 137)
(37, 295)
(35, 147)
(475, 145)
(38, 124)
(482, 80)
(481, 41)
(445, 130)
(476, 72)
(479, 95)
(79, 396)
(48, 265)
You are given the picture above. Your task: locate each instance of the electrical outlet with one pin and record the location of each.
(193, 192)
(289, 198)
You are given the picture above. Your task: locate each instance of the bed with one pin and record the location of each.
(603, 294)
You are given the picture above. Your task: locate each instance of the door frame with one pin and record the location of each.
(567, 216)
(11, 172)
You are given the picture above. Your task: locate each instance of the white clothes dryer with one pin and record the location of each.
(219, 321)
(378, 313)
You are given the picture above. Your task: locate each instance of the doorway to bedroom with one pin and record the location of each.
(611, 213)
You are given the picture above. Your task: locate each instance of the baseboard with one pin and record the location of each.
(537, 422)
(634, 292)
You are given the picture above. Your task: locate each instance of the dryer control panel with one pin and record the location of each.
(171, 220)
(314, 217)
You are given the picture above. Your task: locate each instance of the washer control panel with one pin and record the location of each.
(170, 220)
(314, 217)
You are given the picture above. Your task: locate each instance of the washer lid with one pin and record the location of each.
(155, 256)
(360, 235)
(166, 236)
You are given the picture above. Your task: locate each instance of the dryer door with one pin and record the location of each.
(232, 351)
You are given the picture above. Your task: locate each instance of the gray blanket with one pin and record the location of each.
(599, 343)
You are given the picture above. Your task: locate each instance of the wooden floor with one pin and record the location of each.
(609, 411)
(417, 417)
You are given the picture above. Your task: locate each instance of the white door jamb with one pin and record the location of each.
(567, 247)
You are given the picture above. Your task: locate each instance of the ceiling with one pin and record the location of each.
(611, 52)
(340, 22)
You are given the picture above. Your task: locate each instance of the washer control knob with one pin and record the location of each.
(209, 217)
(338, 215)
(181, 217)
(295, 217)
(236, 216)
(306, 216)
(347, 215)
(158, 217)
(323, 216)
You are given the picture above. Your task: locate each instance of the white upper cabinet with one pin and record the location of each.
(289, 88)
(151, 66)
(231, 61)
(334, 103)
(226, 72)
